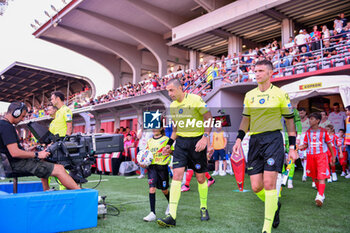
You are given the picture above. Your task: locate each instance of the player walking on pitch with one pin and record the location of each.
(190, 148)
(263, 108)
(158, 175)
(316, 142)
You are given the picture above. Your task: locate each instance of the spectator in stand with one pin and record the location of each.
(284, 60)
(275, 46)
(328, 51)
(41, 112)
(336, 35)
(300, 40)
(228, 63)
(51, 110)
(290, 43)
(347, 30)
(249, 60)
(257, 52)
(315, 38)
(305, 56)
(337, 117)
(251, 74)
(325, 33)
(35, 113)
(155, 82)
(288, 57)
(343, 19)
(338, 24)
(238, 74)
(308, 39)
(128, 143)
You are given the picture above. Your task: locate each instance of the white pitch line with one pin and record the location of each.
(90, 181)
(131, 177)
(95, 181)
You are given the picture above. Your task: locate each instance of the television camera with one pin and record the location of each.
(76, 152)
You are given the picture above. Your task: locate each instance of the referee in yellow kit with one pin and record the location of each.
(262, 111)
(61, 125)
(188, 113)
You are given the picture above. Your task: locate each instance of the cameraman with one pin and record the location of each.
(26, 161)
(62, 123)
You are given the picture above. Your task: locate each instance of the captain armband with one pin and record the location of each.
(241, 134)
(170, 142)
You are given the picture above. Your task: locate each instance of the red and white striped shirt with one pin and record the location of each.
(341, 144)
(317, 141)
(334, 139)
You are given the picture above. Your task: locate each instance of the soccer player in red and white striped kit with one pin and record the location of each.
(334, 140)
(316, 142)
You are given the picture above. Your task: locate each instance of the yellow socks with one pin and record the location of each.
(270, 209)
(261, 195)
(175, 193)
(203, 193)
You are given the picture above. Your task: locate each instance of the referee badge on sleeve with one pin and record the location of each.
(69, 117)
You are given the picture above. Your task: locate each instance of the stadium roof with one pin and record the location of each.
(80, 20)
(262, 24)
(24, 82)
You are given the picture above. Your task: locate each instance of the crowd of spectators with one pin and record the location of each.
(301, 49)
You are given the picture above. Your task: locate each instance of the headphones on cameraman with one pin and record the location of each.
(18, 111)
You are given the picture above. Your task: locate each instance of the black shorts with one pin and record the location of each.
(186, 156)
(41, 169)
(266, 153)
(158, 176)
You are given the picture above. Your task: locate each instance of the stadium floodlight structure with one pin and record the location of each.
(37, 22)
(33, 26)
(54, 8)
(47, 14)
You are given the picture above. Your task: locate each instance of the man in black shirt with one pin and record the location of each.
(27, 161)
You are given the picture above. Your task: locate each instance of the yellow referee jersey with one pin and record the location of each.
(265, 109)
(187, 115)
(156, 146)
(59, 124)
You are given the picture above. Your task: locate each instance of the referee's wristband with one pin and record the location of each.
(292, 140)
(241, 134)
(170, 142)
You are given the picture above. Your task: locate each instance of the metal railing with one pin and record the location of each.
(235, 74)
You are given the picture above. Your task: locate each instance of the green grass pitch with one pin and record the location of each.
(229, 211)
